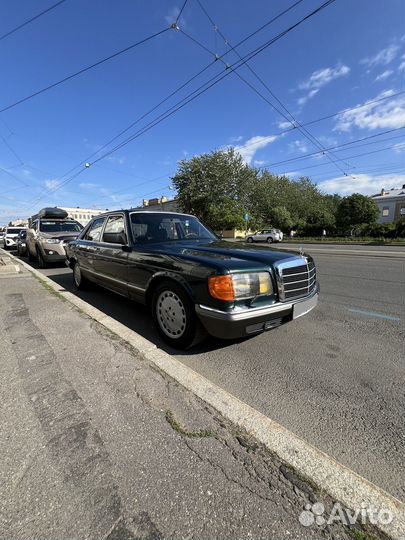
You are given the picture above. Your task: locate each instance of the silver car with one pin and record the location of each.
(266, 235)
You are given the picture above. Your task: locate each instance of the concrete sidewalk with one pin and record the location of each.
(97, 443)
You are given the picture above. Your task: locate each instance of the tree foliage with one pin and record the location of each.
(221, 189)
(355, 210)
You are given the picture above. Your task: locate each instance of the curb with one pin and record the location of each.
(340, 482)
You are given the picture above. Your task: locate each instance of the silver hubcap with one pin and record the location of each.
(77, 275)
(171, 314)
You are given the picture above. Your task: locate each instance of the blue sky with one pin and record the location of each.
(350, 53)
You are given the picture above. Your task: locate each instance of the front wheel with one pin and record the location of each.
(41, 259)
(174, 316)
(269, 240)
(249, 239)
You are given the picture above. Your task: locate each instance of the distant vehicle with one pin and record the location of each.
(22, 243)
(266, 235)
(10, 237)
(189, 278)
(48, 233)
(1, 237)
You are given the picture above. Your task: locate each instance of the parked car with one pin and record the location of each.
(1, 237)
(10, 237)
(190, 279)
(22, 243)
(48, 233)
(266, 235)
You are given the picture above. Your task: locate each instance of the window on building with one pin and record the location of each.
(386, 211)
(402, 211)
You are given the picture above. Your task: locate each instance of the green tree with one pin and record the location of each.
(355, 210)
(213, 187)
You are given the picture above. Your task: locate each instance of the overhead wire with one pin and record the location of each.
(289, 117)
(202, 89)
(35, 17)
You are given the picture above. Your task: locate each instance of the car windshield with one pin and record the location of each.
(13, 230)
(60, 226)
(161, 227)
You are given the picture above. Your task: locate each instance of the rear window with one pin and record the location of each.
(50, 226)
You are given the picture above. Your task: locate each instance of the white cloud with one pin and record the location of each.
(399, 148)
(384, 114)
(236, 139)
(88, 185)
(284, 125)
(302, 100)
(363, 183)
(324, 76)
(52, 184)
(249, 149)
(384, 75)
(301, 146)
(259, 162)
(172, 15)
(401, 66)
(383, 57)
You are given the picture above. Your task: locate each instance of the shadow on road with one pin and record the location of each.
(133, 315)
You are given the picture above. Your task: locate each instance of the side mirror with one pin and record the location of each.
(115, 238)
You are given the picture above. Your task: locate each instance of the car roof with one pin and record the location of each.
(140, 211)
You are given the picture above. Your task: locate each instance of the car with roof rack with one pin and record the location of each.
(192, 281)
(48, 233)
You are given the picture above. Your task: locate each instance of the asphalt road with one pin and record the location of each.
(334, 377)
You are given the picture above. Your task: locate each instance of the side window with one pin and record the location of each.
(114, 231)
(94, 231)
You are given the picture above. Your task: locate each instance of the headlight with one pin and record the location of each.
(52, 240)
(239, 286)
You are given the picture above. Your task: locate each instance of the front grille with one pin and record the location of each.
(296, 280)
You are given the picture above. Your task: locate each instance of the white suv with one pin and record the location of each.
(266, 235)
(10, 237)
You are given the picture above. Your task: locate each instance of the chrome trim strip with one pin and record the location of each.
(251, 313)
(241, 315)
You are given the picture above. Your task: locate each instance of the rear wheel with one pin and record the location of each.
(174, 316)
(249, 239)
(269, 240)
(80, 281)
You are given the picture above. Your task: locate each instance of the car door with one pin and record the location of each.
(259, 237)
(87, 247)
(111, 261)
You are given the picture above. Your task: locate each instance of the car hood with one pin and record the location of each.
(232, 255)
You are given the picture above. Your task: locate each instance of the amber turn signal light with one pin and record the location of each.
(221, 287)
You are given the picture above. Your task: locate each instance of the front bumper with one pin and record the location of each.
(231, 325)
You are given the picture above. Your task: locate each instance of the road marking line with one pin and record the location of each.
(343, 484)
(374, 314)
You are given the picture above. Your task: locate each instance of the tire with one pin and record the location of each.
(41, 260)
(249, 239)
(6, 248)
(174, 316)
(81, 283)
(269, 240)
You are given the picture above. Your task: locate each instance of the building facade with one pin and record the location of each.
(82, 215)
(391, 204)
(162, 204)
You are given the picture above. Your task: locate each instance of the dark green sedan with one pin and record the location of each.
(192, 281)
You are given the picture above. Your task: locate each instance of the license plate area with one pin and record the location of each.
(302, 308)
